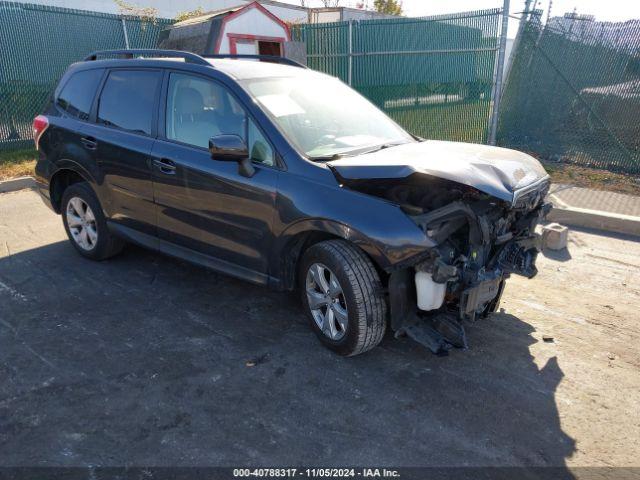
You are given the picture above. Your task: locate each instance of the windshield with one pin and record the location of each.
(323, 117)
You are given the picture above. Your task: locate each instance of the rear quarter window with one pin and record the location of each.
(77, 95)
(128, 98)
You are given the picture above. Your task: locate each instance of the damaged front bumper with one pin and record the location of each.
(480, 243)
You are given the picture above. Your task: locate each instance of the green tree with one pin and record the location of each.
(391, 7)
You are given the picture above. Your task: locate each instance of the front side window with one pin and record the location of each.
(198, 109)
(323, 117)
(77, 95)
(259, 148)
(128, 98)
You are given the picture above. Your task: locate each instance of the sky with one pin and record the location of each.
(605, 10)
(608, 10)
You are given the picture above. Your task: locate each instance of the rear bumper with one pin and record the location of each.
(43, 171)
(43, 190)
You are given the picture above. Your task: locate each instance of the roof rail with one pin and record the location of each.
(187, 56)
(130, 53)
(269, 58)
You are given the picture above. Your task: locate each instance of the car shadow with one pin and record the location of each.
(146, 360)
(558, 255)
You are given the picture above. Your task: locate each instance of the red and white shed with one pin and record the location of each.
(246, 30)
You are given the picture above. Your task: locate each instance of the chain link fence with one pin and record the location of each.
(37, 44)
(434, 75)
(573, 92)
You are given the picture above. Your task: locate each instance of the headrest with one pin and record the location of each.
(189, 101)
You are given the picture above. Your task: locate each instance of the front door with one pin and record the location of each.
(203, 203)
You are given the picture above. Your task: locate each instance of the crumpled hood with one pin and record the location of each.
(496, 171)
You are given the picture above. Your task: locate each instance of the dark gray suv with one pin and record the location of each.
(286, 177)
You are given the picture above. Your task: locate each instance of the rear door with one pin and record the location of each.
(121, 140)
(70, 116)
(203, 203)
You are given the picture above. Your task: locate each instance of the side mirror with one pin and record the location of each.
(232, 148)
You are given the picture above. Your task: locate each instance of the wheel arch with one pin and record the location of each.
(303, 235)
(67, 174)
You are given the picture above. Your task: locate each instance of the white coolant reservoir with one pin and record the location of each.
(430, 294)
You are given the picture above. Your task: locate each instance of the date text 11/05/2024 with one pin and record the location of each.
(316, 472)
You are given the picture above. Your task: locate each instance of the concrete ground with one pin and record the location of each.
(145, 360)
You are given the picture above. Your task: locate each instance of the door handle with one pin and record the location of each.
(166, 166)
(89, 143)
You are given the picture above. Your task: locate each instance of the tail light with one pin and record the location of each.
(40, 124)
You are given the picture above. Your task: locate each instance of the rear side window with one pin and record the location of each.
(127, 100)
(77, 95)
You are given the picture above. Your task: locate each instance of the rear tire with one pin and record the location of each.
(352, 286)
(86, 225)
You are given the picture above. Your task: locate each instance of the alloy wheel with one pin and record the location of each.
(82, 223)
(326, 301)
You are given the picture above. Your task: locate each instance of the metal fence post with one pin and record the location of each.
(350, 57)
(516, 43)
(497, 86)
(126, 36)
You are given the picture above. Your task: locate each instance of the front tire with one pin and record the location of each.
(343, 297)
(86, 225)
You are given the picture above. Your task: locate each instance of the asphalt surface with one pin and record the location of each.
(145, 360)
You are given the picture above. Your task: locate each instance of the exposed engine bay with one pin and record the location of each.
(480, 241)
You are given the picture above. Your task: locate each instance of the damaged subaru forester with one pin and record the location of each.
(286, 177)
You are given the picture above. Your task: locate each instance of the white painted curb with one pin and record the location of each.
(596, 219)
(16, 184)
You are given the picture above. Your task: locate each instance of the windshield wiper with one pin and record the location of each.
(352, 153)
(327, 158)
(381, 147)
